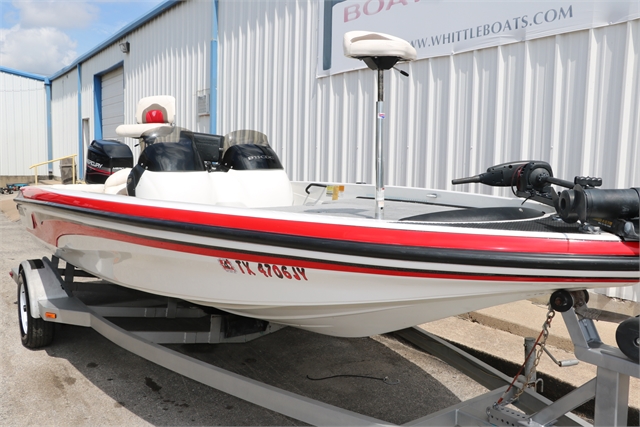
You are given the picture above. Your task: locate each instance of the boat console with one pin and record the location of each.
(239, 169)
(195, 167)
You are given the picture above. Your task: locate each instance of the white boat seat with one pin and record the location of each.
(117, 183)
(377, 50)
(152, 112)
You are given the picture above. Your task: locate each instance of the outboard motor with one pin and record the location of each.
(104, 158)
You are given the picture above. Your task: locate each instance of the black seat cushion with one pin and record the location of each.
(171, 157)
(250, 157)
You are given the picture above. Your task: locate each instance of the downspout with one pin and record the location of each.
(80, 142)
(213, 72)
(97, 107)
(47, 92)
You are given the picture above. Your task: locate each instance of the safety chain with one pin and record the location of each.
(542, 340)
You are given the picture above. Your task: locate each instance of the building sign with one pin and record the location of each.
(445, 27)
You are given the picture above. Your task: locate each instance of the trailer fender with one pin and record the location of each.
(42, 282)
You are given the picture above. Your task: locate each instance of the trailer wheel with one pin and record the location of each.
(34, 332)
(628, 338)
(561, 301)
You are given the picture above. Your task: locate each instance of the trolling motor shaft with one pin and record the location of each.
(379, 212)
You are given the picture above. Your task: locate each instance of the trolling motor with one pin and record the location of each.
(614, 210)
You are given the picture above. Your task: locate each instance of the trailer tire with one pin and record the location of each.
(561, 301)
(628, 338)
(34, 332)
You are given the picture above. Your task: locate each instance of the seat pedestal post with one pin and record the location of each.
(379, 212)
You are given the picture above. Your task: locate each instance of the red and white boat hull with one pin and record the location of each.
(338, 276)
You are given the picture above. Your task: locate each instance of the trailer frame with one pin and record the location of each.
(48, 296)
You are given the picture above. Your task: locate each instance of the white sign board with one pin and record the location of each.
(445, 27)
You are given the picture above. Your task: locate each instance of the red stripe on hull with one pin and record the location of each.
(51, 231)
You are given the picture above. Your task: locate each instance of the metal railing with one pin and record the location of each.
(73, 166)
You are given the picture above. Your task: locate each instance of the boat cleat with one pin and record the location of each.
(590, 229)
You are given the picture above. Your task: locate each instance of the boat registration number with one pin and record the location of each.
(259, 268)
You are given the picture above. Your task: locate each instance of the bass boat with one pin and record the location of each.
(214, 220)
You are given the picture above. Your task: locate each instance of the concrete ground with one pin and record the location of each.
(83, 379)
(496, 336)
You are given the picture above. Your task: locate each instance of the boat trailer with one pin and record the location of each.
(47, 294)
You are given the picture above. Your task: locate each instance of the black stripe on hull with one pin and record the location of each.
(518, 260)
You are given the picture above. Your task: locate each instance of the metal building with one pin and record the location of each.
(24, 124)
(166, 52)
(571, 99)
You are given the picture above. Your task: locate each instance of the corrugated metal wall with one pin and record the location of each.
(23, 129)
(175, 61)
(169, 56)
(266, 79)
(572, 100)
(64, 117)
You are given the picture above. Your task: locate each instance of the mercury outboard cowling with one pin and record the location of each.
(104, 158)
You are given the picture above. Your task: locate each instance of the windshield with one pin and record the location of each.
(245, 136)
(165, 134)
